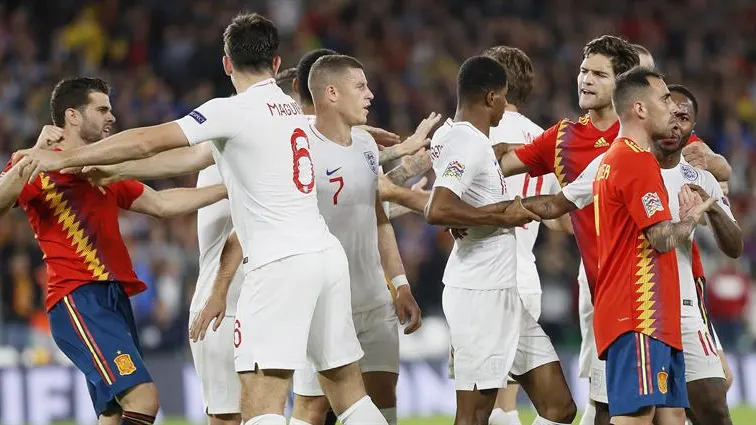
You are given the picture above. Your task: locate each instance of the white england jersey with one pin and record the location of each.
(580, 193)
(674, 179)
(515, 128)
(347, 181)
(464, 163)
(261, 140)
(214, 225)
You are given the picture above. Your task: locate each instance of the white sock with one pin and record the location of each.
(498, 417)
(295, 421)
(269, 419)
(362, 412)
(541, 421)
(390, 414)
(589, 414)
(513, 417)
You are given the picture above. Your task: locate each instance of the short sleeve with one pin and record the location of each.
(458, 165)
(539, 155)
(580, 190)
(215, 119)
(638, 179)
(712, 187)
(126, 192)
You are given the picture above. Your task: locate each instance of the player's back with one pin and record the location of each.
(262, 145)
(214, 225)
(347, 181)
(515, 128)
(464, 162)
(638, 287)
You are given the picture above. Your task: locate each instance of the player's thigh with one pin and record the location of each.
(276, 307)
(88, 328)
(708, 401)
(701, 358)
(332, 339)
(378, 334)
(214, 362)
(484, 329)
(644, 372)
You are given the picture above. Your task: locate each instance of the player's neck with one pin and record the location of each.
(635, 133)
(603, 118)
(71, 139)
(511, 108)
(479, 119)
(242, 81)
(307, 108)
(669, 160)
(334, 128)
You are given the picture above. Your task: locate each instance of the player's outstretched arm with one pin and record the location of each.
(414, 198)
(171, 163)
(445, 208)
(407, 310)
(411, 166)
(12, 183)
(127, 145)
(412, 144)
(215, 306)
(173, 202)
(547, 207)
(727, 233)
(665, 235)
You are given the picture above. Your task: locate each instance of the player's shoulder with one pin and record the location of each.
(363, 137)
(441, 131)
(515, 128)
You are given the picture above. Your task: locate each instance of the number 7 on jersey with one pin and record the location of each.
(340, 181)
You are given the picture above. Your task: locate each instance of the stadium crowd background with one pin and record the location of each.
(163, 58)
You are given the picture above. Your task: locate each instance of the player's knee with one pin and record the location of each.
(225, 419)
(142, 398)
(563, 412)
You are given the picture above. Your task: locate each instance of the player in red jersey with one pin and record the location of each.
(637, 292)
(90, 275)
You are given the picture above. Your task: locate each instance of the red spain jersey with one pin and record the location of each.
(76, 226)
(638, 288)
(566, 149)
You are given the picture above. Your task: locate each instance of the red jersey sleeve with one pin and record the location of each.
(539, 155)
(641, 186)
(126, 192)
(29, 192)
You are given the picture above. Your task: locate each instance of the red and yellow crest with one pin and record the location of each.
(124, 364)
(661, 379)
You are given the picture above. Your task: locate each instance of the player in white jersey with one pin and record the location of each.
(346, 174)
(218, 286)
(296, 272)
(480, 299)
(704, 372)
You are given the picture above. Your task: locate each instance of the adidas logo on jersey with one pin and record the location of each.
(601, 143)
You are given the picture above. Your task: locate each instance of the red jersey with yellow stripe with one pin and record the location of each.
(566, 149)
(76, 225)
(638, 288)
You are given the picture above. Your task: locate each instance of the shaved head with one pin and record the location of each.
(329, 70)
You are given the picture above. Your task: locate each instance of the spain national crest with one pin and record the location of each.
(124, 364)
(661, 379)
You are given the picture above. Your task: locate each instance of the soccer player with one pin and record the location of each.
(294, 280)
(480, 300)
(90, 276)
(346, 174)
(637, 292)
(285, 79)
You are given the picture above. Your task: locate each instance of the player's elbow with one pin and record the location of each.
(434, 214)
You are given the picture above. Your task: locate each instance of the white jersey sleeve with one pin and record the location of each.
(580, 191)
(213, 120)
(711, 186)
(458, 164)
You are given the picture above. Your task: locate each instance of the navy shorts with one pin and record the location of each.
(641, 372)
(94, 327)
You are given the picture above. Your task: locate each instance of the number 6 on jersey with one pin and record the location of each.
(304, 174)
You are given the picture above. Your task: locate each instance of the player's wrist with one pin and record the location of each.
(400, 281)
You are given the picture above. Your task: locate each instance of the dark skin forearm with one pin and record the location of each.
(728, 234)
(547, 207)
(446, 209)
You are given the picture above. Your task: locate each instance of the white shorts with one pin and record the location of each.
(532, 304)
(378, 334)
(484, 329)
(701, 357)
(534, 347)
(296, 311)
(214, 362)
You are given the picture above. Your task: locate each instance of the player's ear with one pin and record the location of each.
(276, 64)
(640, 109)
(228, 67)
(331, 92)
(490, 98)
(295, 85)
(73, 116)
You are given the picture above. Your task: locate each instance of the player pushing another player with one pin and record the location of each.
(293, 283)
(90, 276)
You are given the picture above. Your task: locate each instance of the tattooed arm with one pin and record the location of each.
(665, 236)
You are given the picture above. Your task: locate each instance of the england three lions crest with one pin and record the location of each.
(372, 161)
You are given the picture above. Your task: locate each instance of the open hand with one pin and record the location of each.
(215, 308)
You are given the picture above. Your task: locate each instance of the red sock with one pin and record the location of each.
(135, 418)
